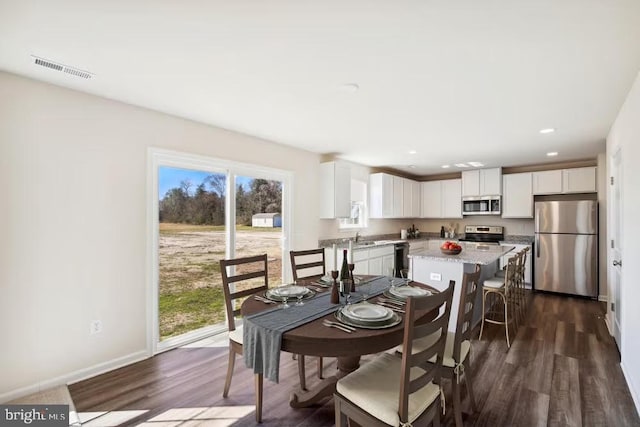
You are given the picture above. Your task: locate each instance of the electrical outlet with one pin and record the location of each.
(95, 327)
(435, 276)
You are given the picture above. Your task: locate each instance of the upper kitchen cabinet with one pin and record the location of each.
(335, 190)
(442, 199)
(393, 197)
(517, 199)
(482, 182)
(547, 182)
(411, 199)
(579, 180)
(576, 180)
(381, 195)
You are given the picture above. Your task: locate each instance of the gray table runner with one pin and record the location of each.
(262, 332)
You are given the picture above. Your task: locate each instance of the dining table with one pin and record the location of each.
(316, 339)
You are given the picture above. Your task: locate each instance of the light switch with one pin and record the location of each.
(435, 276)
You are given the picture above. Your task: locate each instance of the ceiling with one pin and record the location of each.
(455, 81)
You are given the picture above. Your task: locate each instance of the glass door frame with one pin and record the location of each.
(160, 157)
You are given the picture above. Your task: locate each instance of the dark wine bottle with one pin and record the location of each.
(442, 232)
(345, 278)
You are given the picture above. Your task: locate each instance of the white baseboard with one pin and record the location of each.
(603, 298)
(73, 377)
(632, 388)
(606, 322)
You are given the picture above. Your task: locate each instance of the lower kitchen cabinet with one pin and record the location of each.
(373, 261)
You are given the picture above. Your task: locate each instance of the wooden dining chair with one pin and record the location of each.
(312, 262)
(306, 260)
(392, 390)
(458, 345)
(249, 276)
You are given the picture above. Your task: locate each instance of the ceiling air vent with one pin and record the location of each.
(61, 67)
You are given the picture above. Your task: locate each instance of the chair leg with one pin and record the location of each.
(259, 387)
(301, 372)
(341, 419)
(472, 399)
(230, 365)
(484, 296)
(320, 368)
(506, 320)
(436, 418)
(457, 410)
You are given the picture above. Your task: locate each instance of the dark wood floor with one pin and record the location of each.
(562, 370)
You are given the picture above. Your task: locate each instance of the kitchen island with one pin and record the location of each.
(432, 267)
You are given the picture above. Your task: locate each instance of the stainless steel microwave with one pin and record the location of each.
(483, 205)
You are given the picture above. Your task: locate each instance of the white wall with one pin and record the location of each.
(625, 134)
(73, 224)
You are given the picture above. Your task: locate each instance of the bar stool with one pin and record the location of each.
(500, 289)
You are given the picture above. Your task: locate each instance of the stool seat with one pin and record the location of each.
(495, 283)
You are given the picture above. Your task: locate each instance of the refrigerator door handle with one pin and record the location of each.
(537, 243)
(537, 215)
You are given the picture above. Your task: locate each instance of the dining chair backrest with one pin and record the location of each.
(243, 272)
(305, 260)
(523, 261)
(468, 296)
(440, 305)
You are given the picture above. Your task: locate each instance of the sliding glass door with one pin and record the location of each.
(207, 210)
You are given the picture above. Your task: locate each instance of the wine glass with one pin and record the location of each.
(299, 296)
(345, 290)
(284, 302)
(391, 274)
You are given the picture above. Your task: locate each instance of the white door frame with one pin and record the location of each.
(157, 157)
(615, 305)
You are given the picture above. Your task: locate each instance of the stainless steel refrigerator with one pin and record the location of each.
(566, 247)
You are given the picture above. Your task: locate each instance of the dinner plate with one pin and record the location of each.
(289, 291)
(367, 312)
(405, 292)
(272, 295)
(326, 279)
(391, 322)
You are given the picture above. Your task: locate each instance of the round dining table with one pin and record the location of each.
(315, 339)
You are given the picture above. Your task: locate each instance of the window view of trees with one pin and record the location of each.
(192, 241)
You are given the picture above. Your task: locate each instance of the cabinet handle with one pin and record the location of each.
(617, 263)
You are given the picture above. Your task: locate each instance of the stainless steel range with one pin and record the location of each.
(485, 234)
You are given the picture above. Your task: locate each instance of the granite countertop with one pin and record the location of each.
(392, 239)
(518, 240)
(470, 254)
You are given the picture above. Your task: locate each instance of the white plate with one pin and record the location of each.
(366, 311)
(326, 279)
(289, 291)
(408, 291)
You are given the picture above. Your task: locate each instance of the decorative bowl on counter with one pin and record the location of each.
(450, 248)
(451, 251)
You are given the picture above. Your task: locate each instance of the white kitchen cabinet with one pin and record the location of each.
(442, 199)
(528, 263)
(380, 195)
(452, 198)
(563, 181)
(547, 182)
(411, 198)
(517, 199)
(579, 180)
(372, 261)
(335, 190)
(398, 197)
(432, 199)
(417, 245)
(482, 182)
(393, 197)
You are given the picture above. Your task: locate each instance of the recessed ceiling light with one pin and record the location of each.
(412, 152)
(547, 130)
(476, 164)
(552, 153)
(461, 165)
(445, 166)
(350, 87)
